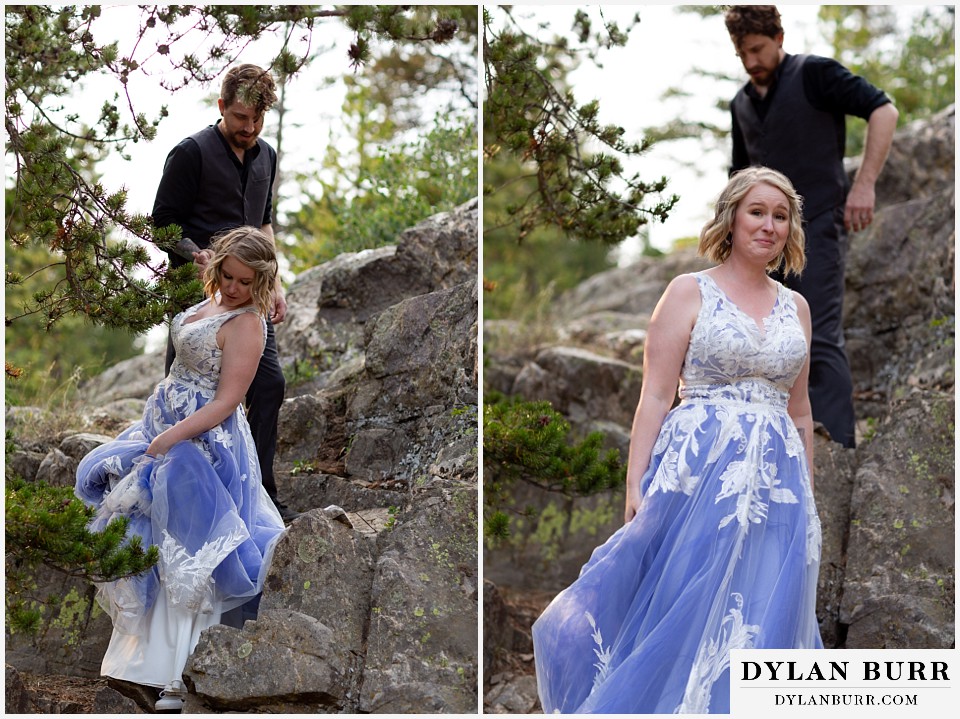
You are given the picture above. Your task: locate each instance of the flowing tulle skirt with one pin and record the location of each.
(723, 554)
(204, 505)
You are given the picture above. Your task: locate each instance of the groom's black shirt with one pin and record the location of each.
(206, 189)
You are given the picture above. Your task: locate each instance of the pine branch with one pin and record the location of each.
(59, 205)
(533, 116)
(529, 442)
(46, 525)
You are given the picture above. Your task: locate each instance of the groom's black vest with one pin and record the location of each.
(803, 143)
(222, 202)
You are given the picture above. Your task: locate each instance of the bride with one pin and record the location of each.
(721, 543)
(186, 476)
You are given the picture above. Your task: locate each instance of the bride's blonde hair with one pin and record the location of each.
(714, 236)
(256, 250)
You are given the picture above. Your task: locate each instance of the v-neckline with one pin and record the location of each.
(187, 321)
(761, 327)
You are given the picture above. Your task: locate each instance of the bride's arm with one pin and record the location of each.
(668, 336)
(242, 339)
(798, 406)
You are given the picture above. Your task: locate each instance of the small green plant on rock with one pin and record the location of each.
(391, 522)
(303, 466)
(301, 371)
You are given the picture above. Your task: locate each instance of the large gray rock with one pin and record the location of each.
(57, 469)
(337, 611)
(284, 662)
(303, 427)
(437, 253)
(77, 446)
(16, 695)
(23, 464)
(312, 623)
(133, 378)
(330, 304)
(305, 491)
(422, 647)
(388, 423)
(76, 633)
(375, 453)
(141, 695)
(323, 324)
(59, 466)
(407, 407)
(111, 702)
(323, 569)
(921, 160)
(631, 290)
(442, 250)
(899, 580)
(399, 382)
(834, 467)
(582, 385)
(899, 311)
(516, 695)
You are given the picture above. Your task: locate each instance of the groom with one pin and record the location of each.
(790, 116)
(220, 178)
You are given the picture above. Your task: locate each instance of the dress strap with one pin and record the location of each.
(785, 297)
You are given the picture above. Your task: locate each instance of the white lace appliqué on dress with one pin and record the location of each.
(603, 655)
(746, 374)
(187, 577)
(197, 364)
(714, 658)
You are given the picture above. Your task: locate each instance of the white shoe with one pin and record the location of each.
(172, 697)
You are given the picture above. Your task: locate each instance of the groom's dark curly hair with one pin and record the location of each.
(251, 85)
(752, 20)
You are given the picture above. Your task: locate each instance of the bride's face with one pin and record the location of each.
(236, 283)
(761, 223)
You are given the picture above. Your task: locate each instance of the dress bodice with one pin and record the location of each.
(731, 357)
(198, 357)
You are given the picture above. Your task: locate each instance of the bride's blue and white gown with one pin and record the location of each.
(725, 549)
(202, 503)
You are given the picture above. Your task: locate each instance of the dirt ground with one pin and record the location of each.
(55, 689)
